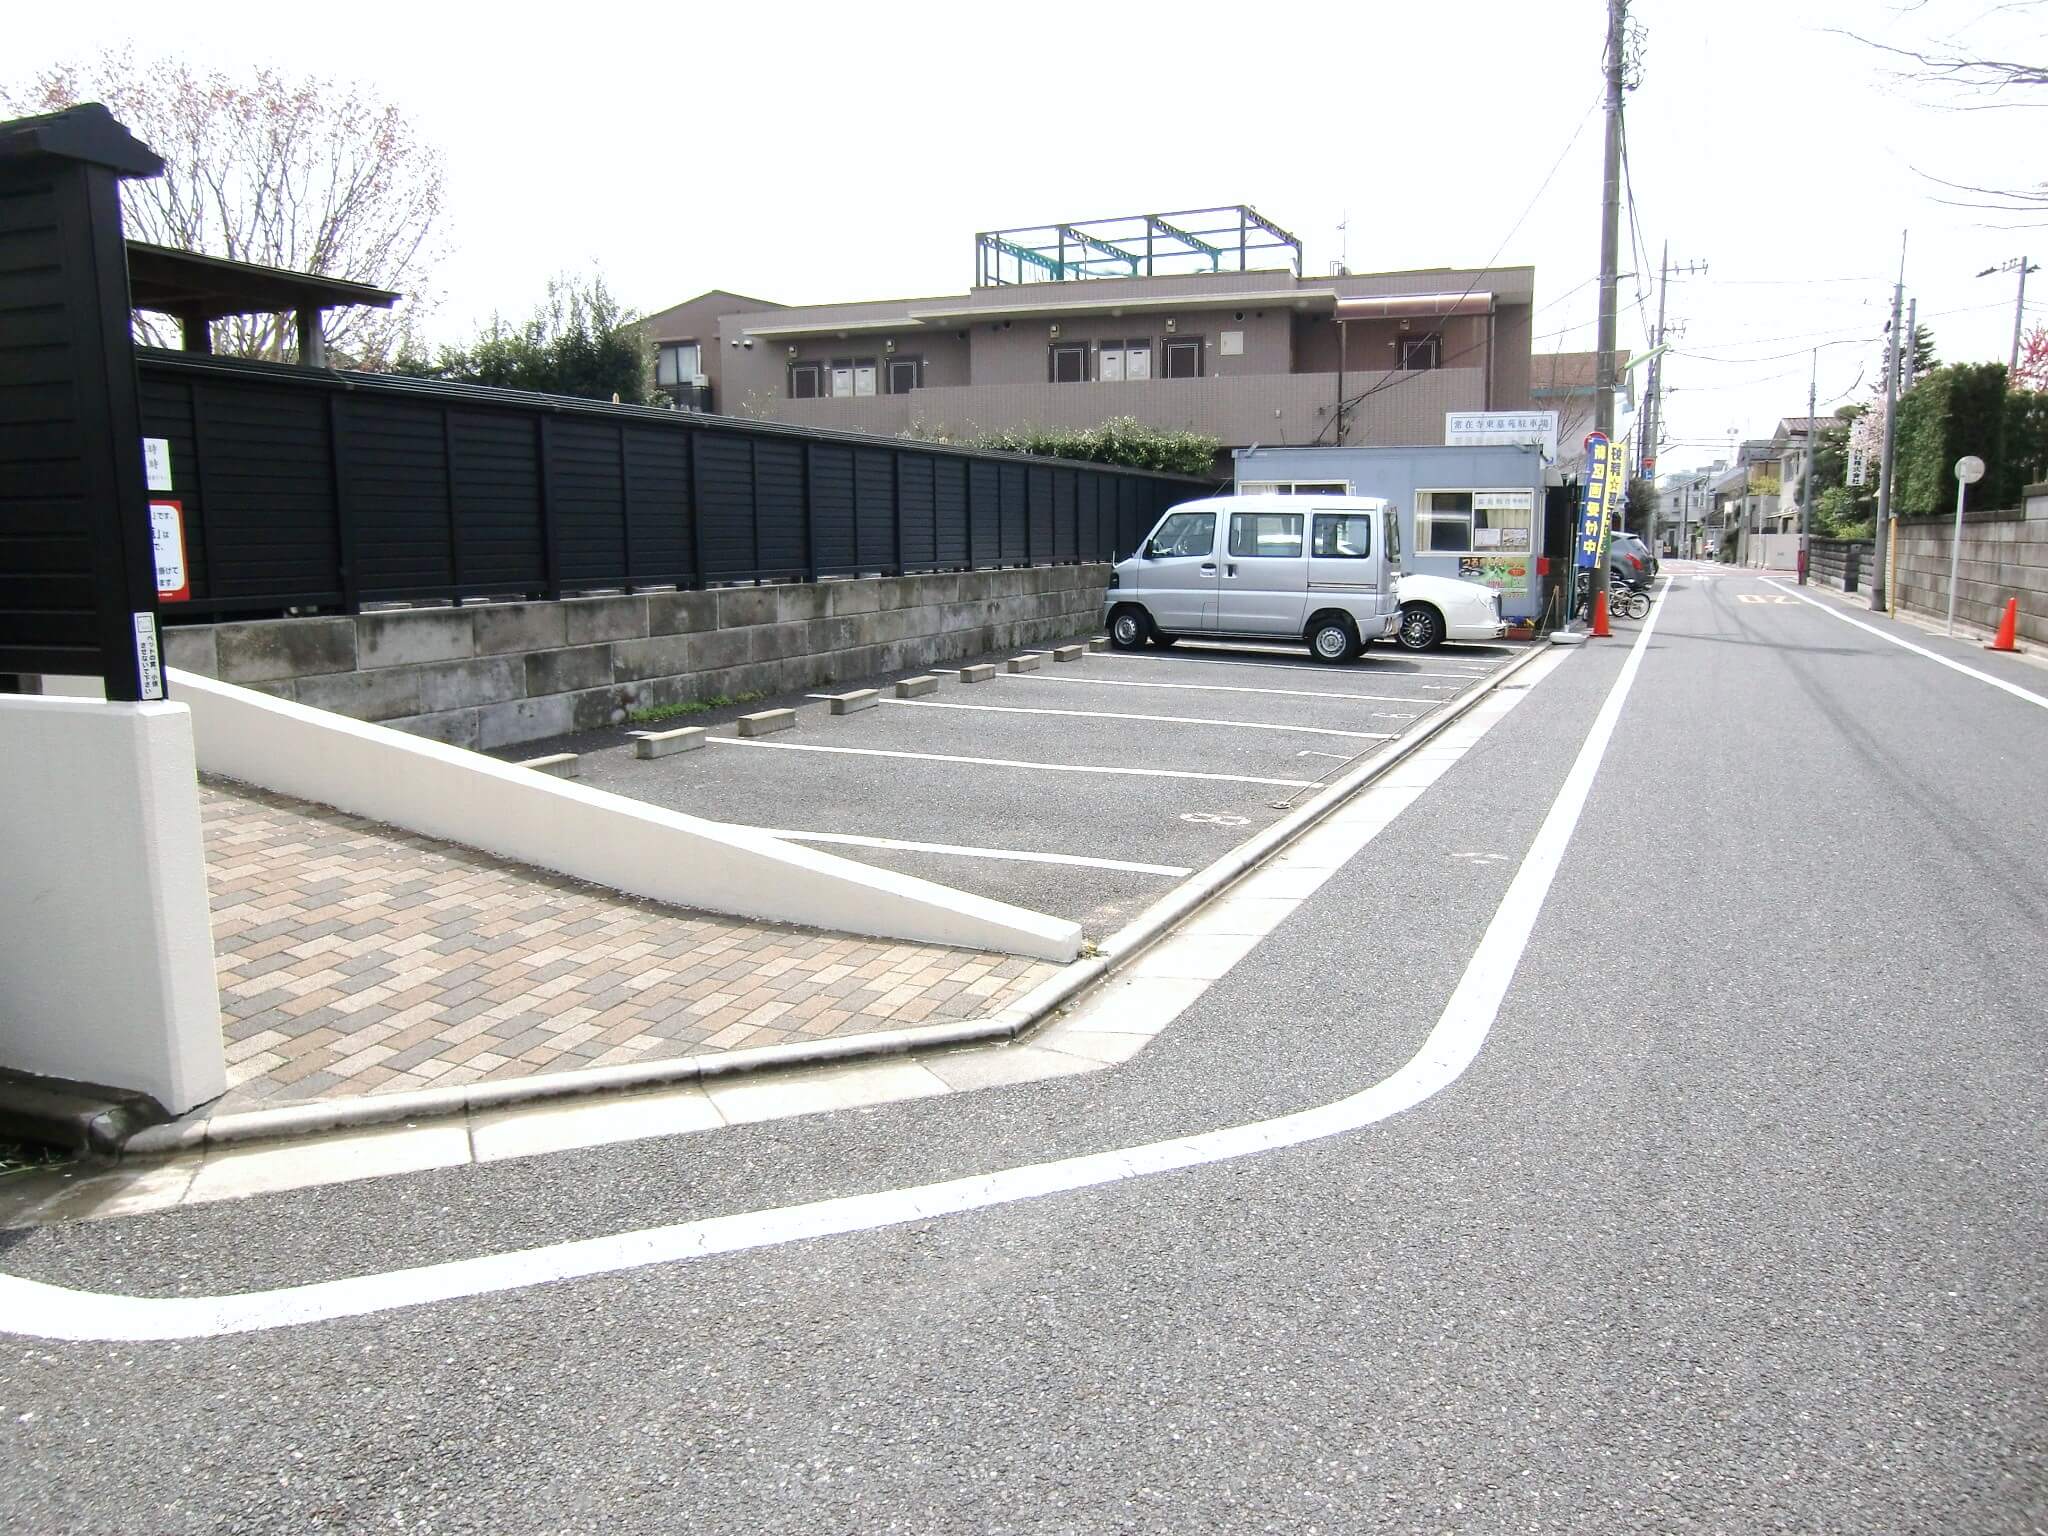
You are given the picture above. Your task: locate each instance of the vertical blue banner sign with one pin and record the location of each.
(1598, 501)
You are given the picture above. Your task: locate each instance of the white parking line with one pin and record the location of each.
(1104, 714)
(1006, 762)
(1290, 693)
(851, 840)
(1444, 670)
(1918, 650)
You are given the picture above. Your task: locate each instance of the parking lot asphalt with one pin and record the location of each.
(1085, 790)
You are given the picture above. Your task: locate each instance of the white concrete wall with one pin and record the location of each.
(1773, 551)
(106, 954)
(516, 813)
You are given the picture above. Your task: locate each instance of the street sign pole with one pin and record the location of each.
(1969, 470)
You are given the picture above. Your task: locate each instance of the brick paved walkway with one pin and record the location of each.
(355, 958)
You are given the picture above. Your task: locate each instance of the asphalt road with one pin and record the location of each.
(1735, 1224)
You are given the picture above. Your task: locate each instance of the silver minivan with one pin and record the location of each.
(1320, 571)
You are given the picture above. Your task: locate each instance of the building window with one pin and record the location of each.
(1070, 364)
(1443, 523)
(852, 376)
(677, 363)
(806, 381)
(1295, 488)
(1125, 360)
(1422, 351)
(1342, 536)
(905, 374)
(1265, 535)
(1473, 522)
(1184, 357)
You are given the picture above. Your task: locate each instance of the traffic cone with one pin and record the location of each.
(1600, 629)
(2008, 628)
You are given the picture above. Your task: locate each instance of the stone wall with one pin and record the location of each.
(2004, 555)
(496, 674)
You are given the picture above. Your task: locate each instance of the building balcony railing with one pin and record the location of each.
(1238, 409)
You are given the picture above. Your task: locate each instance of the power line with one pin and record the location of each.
(1397, 379)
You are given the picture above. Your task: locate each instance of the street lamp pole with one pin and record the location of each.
(1806, 470)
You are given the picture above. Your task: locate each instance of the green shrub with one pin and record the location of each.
(1953, 411)
(1121, 440)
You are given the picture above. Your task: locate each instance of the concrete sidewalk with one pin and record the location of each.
(358, 959)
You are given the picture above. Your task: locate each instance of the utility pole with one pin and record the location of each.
(2019, 320)
(2019, 308)
(1911, 362)
(1882, 545)
(1806, 470)
(1610, 247)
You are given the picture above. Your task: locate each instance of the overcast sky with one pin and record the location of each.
(812, 153)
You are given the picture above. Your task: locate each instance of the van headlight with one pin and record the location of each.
(1115, 579)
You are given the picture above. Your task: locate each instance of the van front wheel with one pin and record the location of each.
(1127, 628)
(1333, 640)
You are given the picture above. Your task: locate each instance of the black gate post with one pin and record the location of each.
(74, 512)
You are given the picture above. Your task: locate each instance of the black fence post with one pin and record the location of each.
(454, 525)
(810, 455)
(551, 554)
(754, 498)
(206, 547)
(693, 438)
(626, 506)
(896, 501)
(344, 514)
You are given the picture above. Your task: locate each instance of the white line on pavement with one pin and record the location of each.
(1291, 693)
(1103, 714)
(851, 840)
(41, 1310)
(1007, 762)
(1308, 667)
(1918, 650)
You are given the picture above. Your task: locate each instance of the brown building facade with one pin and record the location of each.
(1248, 357)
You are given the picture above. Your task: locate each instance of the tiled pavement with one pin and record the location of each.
(354, 958)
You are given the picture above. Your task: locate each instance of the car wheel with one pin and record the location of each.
(1422, 627)
(1333, 641)
(1127, 627)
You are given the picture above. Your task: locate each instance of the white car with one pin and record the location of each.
(1439, 608)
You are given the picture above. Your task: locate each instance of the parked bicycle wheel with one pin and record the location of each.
(1639, 605)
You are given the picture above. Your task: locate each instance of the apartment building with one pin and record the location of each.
(1099, 325)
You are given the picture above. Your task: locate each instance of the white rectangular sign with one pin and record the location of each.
(156, 462)
(149, 663)
(1480, 429)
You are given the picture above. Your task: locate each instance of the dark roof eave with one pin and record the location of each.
(208, 287)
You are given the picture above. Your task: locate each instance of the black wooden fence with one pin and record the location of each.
(304, 489)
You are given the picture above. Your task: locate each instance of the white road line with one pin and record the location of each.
(1103, 714)
(1007, 762)
(850, 840)
(1291, 693)
(1918, 650)
(36, 1309)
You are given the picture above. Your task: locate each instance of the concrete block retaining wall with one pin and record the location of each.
(2004, 555)
(497, 674)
